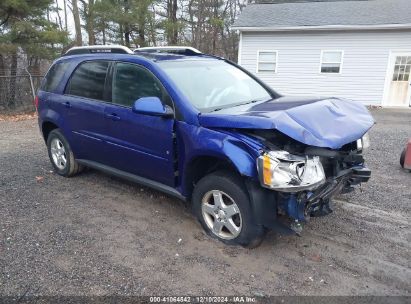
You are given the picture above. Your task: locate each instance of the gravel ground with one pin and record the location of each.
(98, 235)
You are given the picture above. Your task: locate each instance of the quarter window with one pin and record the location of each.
(267, 61)
(132, 82)
(54, 76)
(331, 61)
(88, 80)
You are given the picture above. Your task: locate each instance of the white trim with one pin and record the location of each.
(167, 48)
(258, 61)
(240, 48)
(322, 27)
(101, 47)
(388, 76)
(340, 63)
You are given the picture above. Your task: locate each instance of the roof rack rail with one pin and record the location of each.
(96, 49)
(180, 50)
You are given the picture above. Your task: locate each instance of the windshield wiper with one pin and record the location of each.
(238, 104)
(248, 102)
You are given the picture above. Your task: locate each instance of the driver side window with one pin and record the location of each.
(132, 82)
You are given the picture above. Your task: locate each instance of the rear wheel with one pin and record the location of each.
(402, 158)
(61, 155)
(223, 208)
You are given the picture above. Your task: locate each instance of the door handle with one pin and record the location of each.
(67, 104)
(113, 116)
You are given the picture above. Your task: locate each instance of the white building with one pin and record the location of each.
(359, 50)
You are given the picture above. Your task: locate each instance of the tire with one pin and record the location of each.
(216, 216)
(61, 156)
(402, 158)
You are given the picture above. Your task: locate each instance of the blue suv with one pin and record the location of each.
(205, 130)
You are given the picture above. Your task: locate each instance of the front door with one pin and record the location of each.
(400, 82)
(137, 143)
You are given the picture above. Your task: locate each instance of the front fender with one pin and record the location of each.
(194, 142)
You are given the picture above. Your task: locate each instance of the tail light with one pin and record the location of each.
(36, 102)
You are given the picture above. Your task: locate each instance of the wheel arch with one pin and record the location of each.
(204, 164)
(46, 127)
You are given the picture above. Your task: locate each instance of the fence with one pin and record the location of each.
(17, 92)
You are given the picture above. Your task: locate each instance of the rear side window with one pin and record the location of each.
(88, 80)
(54, 76)
(132, 82)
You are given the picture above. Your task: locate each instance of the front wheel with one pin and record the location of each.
(222, 206)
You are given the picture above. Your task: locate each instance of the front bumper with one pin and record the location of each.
(268, 204)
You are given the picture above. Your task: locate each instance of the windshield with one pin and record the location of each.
(212, 85)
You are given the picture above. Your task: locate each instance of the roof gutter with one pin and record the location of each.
(323, 28)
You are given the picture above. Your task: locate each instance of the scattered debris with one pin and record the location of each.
(39, 179)
(315, 258)
(18, 117)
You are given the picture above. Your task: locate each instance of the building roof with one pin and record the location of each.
(326, 15)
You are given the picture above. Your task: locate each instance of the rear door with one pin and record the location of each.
(83, 104)
(137, 143)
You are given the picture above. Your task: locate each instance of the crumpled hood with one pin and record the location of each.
(330, 122)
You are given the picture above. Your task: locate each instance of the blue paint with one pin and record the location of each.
(156, 147)
(329, 122)
(150, 106)
(293, 207)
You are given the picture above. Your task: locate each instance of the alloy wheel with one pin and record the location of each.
(58, 153)
(221, 214)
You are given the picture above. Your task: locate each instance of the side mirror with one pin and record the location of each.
(152, 106)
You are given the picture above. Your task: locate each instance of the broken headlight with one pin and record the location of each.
(364, 142)
(282, 171)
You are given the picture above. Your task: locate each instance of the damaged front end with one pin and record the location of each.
(305, 178)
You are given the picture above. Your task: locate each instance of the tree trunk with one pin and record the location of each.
(58, 21)
(126, 25)
(77, 25)
(89, 13)
(175, 25)
(172, 36)
(121, 34)
(215, 25)
(104, 34)
(141, 38)
(65, 15)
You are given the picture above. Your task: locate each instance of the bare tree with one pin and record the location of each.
(172, 35)
(88, 16)
(77, 24)
(65, 15)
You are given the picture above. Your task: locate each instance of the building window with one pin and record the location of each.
(402, 68)
(331, 61)
(267, 61)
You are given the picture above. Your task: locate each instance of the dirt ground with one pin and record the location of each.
(98, 235)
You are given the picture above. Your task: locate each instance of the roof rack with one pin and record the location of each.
(180, 50)
(93, 49)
